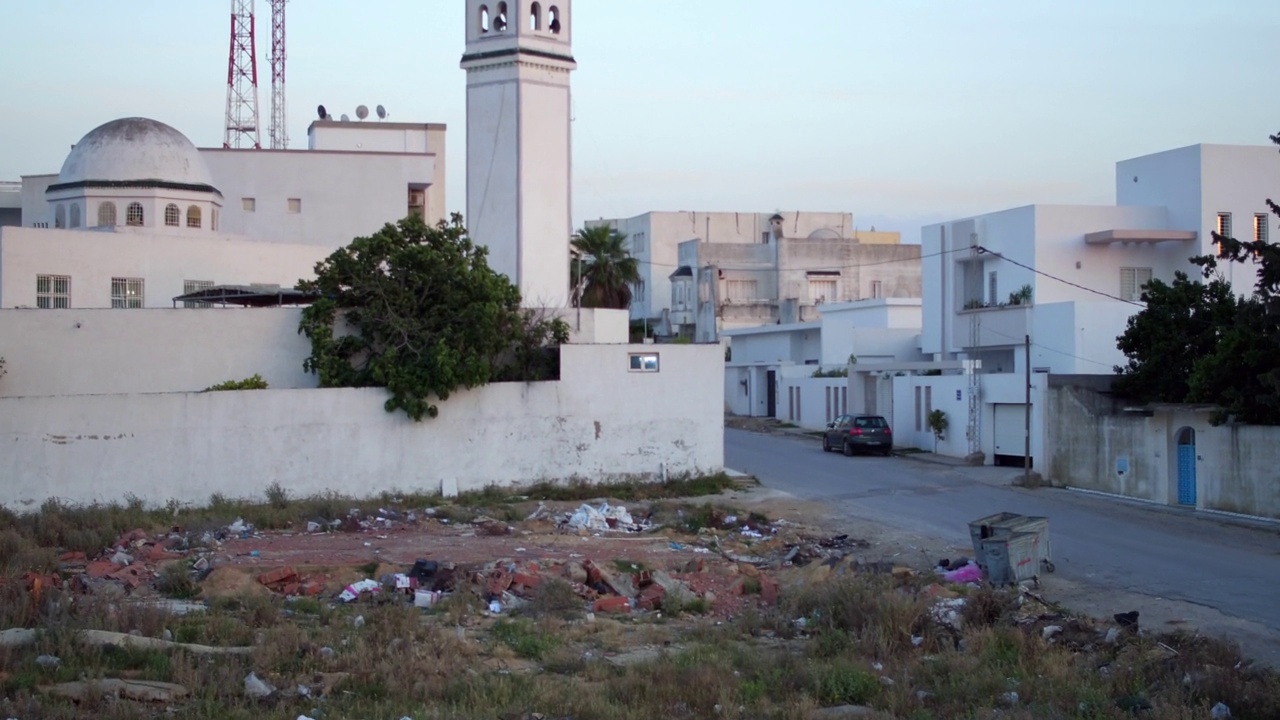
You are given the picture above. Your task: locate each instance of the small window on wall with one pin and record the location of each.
(193, 216)
(249, 204)
(106, 214)
(126, 293)
(1259, 227)
(644, 362)
(133, 215)
(59, 216)
(53, 292)
(295, 205)
(75, 215)
(172, 215)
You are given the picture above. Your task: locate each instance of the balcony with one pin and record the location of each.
(1000, 326)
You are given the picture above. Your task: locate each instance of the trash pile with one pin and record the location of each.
(605, 518)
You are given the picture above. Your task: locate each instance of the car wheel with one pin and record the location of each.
(848, 449)
(826, 444)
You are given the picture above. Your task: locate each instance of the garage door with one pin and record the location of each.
(1011, 432)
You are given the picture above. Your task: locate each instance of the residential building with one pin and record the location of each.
(786, 370)
(10, 203)
(654, 238)
(1049, 288)
(723, 286)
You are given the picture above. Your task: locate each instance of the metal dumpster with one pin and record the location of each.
(1005, 524)
(1013, 558)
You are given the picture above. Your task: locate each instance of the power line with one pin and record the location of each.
(1042, 273)
(1046, 347)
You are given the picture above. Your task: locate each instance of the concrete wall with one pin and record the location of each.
(99, 352)
(1077, 338)
(344, 195)
(811, 402)
(185, 446)
(164, 262)
(35, 211)
(1094, 445)
(91, 352)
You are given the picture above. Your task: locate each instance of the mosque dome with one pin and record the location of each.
(135, 152)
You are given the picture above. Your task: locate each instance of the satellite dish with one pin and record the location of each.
(344, 118)
(382, 112)
(322, 113)
(362, 112)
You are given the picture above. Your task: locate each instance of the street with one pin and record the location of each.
(1124, 549)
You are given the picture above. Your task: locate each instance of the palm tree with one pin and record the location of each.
(602, 268)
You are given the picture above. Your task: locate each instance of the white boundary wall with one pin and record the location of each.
(600, 422)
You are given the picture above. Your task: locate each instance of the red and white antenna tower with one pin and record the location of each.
(279, 129)
(242, 80)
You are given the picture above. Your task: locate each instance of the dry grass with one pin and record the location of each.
(865, 639)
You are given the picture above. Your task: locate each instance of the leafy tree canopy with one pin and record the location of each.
(417, 309)
(603, 268)
(1198, 342)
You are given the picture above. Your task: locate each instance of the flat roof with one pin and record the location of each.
(766, 329)
(374, 124)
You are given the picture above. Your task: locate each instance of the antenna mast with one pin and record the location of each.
(279, 130)
(242, 80)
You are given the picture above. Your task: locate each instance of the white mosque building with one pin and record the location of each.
(138, 215)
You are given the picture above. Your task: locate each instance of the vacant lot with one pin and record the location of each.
(696, 601)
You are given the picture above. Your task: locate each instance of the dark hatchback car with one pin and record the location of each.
(853, 433)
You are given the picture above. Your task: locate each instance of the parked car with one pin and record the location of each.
(853, 433)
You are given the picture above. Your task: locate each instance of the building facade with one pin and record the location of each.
(723, 286)
(1046, 290)
(654, 239)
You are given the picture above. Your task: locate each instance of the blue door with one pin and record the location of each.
(1186, 474)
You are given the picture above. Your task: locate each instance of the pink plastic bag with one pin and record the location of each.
(967, 574)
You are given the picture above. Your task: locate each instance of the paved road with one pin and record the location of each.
(1101, 542)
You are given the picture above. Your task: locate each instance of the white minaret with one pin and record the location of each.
(519, 152)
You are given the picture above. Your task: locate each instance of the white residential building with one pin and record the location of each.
(654, 239)
(784, 370)
(1067, 278)
(722, 286)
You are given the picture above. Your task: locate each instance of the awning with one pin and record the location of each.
(248, 296)
(1108, 237)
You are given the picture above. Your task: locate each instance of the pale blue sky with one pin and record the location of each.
(900, 111)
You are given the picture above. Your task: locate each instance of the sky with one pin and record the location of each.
(903, 112)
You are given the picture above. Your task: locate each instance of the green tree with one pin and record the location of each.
(417, 310)
(603, 268)
(1179, 327)
(1198, 342)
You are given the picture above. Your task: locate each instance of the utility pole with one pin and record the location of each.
(1026, 448)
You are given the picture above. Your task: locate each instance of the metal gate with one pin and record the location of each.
(1187, 471)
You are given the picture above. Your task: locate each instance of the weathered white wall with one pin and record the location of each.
(98, 352)
(344, 195)
(185, 446)
(91, 352)
(34, 208)
(1091, 439)
(811, 402)
(92, 258)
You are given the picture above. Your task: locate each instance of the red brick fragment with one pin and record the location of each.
(277, 576)
(593, 573)
(100, 568)
(132, 575)
(768, 589)
(73, 557)
(498, 582)
(613, 604)
(528, 580)
(651, 597)
(156, 553)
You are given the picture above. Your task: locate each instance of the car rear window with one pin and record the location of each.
(870, 422)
